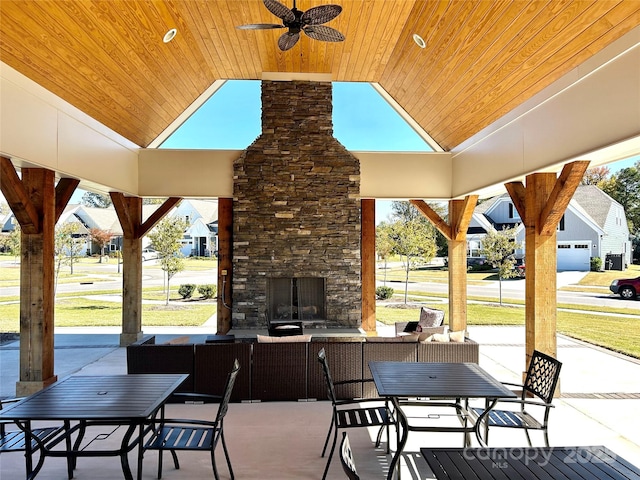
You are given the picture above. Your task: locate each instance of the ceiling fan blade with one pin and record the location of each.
(288, 40)
(324, 33)
(259, 26)
(321, 14)
(279, 10)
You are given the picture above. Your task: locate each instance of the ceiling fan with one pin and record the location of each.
(309, 22)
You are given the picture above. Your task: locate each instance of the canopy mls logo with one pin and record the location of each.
(502, 457)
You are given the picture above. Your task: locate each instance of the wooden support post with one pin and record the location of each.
(225, 265)
(37, 203)
(460, 213)
(368, 263)
(541, 205)
(129, 211)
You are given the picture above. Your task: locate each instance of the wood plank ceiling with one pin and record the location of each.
(482, 58)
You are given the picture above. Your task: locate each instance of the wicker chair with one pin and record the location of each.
(356, 417)
(195, 435)
(14, 440)
(346, 458)
(537, 392)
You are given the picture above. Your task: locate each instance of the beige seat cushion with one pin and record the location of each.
(289, 339)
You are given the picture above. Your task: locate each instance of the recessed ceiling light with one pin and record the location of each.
(170, 35)
(419, 40)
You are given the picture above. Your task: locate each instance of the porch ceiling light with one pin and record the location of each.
(419, 40)
(170, 35)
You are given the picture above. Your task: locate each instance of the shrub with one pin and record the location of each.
(596, 264)
(208, 290)
(186, 290)
(383, 293)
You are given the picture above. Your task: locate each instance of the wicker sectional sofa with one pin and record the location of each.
(285, 371)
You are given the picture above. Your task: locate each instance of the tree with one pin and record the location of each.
(498, 247)
(595, 176)
(66, 248)
(13, 242)
(412, 237)
(96, 200)
(384, 245)
(166, 238)
(102, 238)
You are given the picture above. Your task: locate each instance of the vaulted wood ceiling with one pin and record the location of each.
(482, 58)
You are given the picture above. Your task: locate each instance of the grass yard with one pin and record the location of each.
(81, 312)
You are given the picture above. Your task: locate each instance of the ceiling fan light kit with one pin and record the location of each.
(310, 22)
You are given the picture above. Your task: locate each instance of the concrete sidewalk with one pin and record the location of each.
(599, 405)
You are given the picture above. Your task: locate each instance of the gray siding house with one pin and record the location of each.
(594, 225)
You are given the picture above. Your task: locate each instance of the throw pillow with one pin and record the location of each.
(430, 317)
(457, 336)
(440, 337)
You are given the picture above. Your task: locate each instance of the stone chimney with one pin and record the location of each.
(296, 216)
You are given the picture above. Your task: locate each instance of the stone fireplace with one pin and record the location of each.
(296, 215)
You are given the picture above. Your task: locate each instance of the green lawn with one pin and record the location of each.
(81, 312)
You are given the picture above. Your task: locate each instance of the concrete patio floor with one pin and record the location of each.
(283, 440)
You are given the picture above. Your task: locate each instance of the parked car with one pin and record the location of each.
(149, 254)
(627, 288)
(519, 268)
(476, 261)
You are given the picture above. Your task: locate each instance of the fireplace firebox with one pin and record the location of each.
(296, 299)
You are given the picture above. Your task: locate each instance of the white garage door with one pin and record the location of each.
(574, 256)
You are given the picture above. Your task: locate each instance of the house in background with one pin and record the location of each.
(201, 236)
(594, 225)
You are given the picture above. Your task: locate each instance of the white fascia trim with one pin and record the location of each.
(407, 118)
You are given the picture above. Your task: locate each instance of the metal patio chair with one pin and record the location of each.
(373, 416)
(195, 435)
(346, 458)
(14, 440)
(536, 393)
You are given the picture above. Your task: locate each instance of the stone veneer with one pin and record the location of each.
(296, 206)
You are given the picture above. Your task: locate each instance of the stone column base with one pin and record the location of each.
(129, 338)
(24, 389)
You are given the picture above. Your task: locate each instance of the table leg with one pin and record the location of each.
(402, 424)
(71, 461)
(124, 450)
(28, 450)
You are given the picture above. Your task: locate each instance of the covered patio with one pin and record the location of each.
(284, 439)
(515, 96)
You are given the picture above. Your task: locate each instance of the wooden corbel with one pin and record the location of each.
(566, 185)
(134, 227)
(459, 217)
(18, 199)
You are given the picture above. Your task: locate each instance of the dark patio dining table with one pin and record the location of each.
(80, 401)
(531, 463)
(432, 384)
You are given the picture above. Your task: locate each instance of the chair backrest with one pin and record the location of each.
(542, 376)
(228, 388)
(322, 358)
(346, 458)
